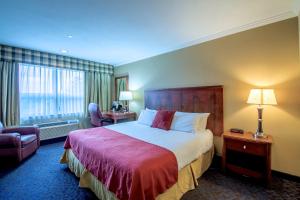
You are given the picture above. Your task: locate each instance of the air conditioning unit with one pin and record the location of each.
(57, 129)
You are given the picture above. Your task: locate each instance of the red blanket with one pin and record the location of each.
(128, 167)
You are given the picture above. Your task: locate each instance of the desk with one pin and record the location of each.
(119, 115)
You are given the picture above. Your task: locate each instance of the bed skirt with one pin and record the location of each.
(187, 177)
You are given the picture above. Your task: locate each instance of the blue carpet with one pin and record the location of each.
(42, 177)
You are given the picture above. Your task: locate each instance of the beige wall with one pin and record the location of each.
(299, 30)
(261, 57)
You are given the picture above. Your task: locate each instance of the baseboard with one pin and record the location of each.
(286, 176)
(217, 162)
(53, 140)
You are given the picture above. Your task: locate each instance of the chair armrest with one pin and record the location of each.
(10, 139)
(23, 130)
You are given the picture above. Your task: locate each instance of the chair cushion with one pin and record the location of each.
(26, 139)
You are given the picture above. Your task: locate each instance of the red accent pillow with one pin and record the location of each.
(163, 119)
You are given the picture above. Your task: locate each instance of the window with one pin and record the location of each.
(48, 93)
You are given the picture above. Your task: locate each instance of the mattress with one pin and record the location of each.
(186, 147)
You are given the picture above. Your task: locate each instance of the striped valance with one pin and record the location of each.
(9, 53)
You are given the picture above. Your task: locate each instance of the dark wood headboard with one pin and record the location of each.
(208, 99)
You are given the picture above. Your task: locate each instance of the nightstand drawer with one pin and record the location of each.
(247, 147)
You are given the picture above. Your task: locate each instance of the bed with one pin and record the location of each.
(192, 153)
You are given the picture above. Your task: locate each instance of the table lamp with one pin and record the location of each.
(261, 97)
(125, 96)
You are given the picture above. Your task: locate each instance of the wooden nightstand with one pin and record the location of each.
(245, 155)
(119, 115)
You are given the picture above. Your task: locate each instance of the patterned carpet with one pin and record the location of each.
(215, 185)
(42, 177)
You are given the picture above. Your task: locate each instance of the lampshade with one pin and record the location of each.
(262, 97)
(125, 96)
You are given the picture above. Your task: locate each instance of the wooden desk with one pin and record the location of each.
(119, 115)
(243, 154)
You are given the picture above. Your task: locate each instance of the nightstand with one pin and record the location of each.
(119, 115)
(245, 155)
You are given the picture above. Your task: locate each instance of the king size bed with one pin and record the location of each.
(133, 160)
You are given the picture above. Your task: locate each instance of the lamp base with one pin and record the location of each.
(126, 109)
(260, 135)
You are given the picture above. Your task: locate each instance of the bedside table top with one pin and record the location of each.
(247, 136)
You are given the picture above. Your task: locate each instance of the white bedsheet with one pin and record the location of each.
(186, 146)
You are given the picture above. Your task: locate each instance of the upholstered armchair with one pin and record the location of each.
(18, 142)
(96, 116)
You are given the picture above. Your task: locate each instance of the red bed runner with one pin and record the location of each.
(130, 168)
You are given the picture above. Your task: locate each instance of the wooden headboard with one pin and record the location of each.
(208, 99)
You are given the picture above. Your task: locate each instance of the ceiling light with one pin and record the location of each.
(64, 51)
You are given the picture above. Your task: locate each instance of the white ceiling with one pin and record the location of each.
(124, 31)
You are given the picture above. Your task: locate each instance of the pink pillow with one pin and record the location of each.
(163, 119)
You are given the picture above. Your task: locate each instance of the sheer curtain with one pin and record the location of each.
(50, 94)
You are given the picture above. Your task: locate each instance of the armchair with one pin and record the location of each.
(18, 142)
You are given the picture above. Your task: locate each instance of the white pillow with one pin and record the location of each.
(202, 121)
(151, 110)
(146, 117)
(189, 122)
